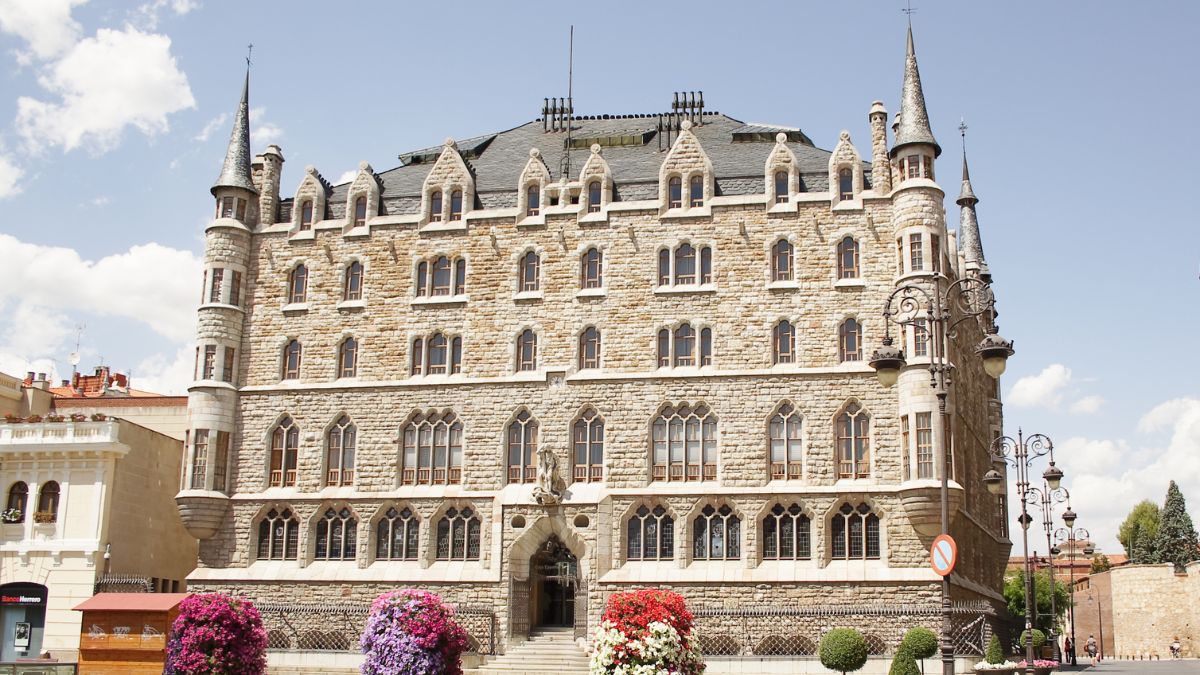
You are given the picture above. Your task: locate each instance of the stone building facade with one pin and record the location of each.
(587, 355)
(1136, 611)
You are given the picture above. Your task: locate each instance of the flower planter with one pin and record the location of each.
(45, 517)
(995, 671)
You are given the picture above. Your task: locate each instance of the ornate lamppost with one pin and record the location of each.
(1020, 453)
(934, 307)
(1045, 499)
(1070, 535)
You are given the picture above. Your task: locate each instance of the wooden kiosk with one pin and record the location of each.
(126, 633)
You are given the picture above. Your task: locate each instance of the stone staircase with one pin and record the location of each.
(549, 651)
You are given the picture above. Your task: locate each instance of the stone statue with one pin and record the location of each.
(550, 484)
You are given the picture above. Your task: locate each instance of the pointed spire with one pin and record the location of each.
(235, 172)
(913, 118)
(968, 224)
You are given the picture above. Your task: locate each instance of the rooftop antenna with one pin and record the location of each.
(962, 129)
(249, 52)
(909, 9)
(566, 163)
(74, 356)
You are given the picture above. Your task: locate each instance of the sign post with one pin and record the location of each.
(943, 554)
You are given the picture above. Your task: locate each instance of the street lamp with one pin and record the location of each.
(1044, 499)
(934, 308)
(1070, 535)
(1020, 453)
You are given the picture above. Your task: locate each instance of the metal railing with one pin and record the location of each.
(338, 626)
(33, 668)
(797, 630)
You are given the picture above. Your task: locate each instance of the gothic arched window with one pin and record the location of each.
(696, 190)
(716, 534)
(431, 450)
(593, 204)
(684, 444)
(298, 284)
(591, 269)
(533, 203)
(529, 272)
(285, 446)
(650, 535)
(339, 457)
(337, 535)
(781, 187)
(854, 534)
(306, 215)
(845, 184)
(781, 261)
(675, 192)
(527, 350)
(458, 535)
(522, 448)
(435, 207)
(278, 535)
(360, 211)
(847, 254)
(783, 342)
(456, 205)
(850, 341)
(588, 440)
(787, 534)
(292, 352)
(854, 442)
(786, 443)
(352, 284)
(348, 358)
(397, 536)
(589, 348)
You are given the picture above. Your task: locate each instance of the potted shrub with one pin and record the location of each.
(994, 662)
(11, 418)
(99, 417)
(1041, 666)
(921, 643)
(216, 634)
(11, 516)
(45, 517)
(78, 417)
(412, 631)
(646, 631)
(904, 663)
(844, 650)
(33, 419)
(55, 418)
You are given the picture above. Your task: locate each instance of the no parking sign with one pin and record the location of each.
(943, 554)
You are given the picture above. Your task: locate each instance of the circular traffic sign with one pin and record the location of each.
(943, 554)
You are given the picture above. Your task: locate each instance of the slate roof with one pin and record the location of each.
(498, 159)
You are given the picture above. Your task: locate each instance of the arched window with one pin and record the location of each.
(48, 495)
(306, 215)
(348, 358)
(418, 356)
(678, 348)
(436, 361)
(18, 500)
(593, 197)
(854, 442)
(650, 535)
(529, 272)
(339, 457)
(685, 264)
(588, 437)
(352, 286)
(854, 534)
(591, 269)
(285, 445)
(705, 347)
(533, 201)
(458, 535)
(291, 360)
(781, 187)
(664, 267)
(527, 350)
(705, 265)
(460, 276)
(456, 205)
(696, 190)
(684, 444)
(850, 341)
(679, 267)
(781, 261)
(431, 450)
(589, 348)
(522, 448)
(787, 534)
(916, 252)
(845, 184)
(685, 346)
(783, 342)
(278, 535)
(441, 276)
(298, 284)
(675, 193)
(435, 207)
(716, 534)
(456, 355)
(397, 536)
(664, 348)
(422, 285)
(787, 449)
(847, 253)
(436, 354)
(337, 535)
(360, 211)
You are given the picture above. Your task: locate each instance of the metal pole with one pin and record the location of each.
(937, 368)
(1100, 621)
(1048, 521)
(1023, 490)
(1074, 647)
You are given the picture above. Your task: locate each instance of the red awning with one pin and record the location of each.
(132, 602)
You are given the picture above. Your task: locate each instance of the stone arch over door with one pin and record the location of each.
(522, 595)
(526, 545)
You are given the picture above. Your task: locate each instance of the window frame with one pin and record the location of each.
(284, 453)
(293, 358)
(341, 444)
(407, 522)
(360, 211)
(848, 260)
(853, 442)
(773, 531)
(589, 348)
(591, 268)
(423, 436)
(587, 447)
(288, 544)
(662, 529)
(347, 365)
(842, 535)
(785, 443)
(675, 431)
(521, 448)
(527, 351)
(850, 335)
(707, 544)
(352, 282)
(346, 523)
(450, 523)
(783, 343)
(783, 259)
(298, 285)
(781, 187)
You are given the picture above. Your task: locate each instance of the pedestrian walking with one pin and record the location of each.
(1093, 650)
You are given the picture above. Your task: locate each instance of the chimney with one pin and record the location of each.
(41, 382)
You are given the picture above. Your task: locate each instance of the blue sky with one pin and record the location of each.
(114, 117)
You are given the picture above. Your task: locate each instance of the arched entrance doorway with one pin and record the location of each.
(554, 581)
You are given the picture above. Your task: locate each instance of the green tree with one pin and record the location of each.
(903, 663)
(844, 650)
(1014, 594)
(1100, 564)
(1138, 532)
(1176, 538)
(995, 653)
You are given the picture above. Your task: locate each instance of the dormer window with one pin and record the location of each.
(306, 215)
(781, 187)
(231, 207)
(917, 166)
(593, 197)
(533, 200)
(696, 188)
(845, 183)
(360, 211)
(675, 191)
(456, 205)
(435, 207)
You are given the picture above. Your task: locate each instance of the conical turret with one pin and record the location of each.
(913, 118)
(968, 227)
(235, 172)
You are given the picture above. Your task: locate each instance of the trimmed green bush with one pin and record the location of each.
(903, 663)
(843, 650)
(922, 643)
(1039, 638)
(995, 652)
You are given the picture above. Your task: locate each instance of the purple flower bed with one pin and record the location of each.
(412, 632)
(216, 634)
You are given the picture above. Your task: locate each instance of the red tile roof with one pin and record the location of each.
(133, 602)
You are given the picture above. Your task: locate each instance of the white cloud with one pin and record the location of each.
(1055, 386)
(9, 175)
(214, 125)
(150, 283)
(1108, 477)
(148, 14)
(46, 25)
(118, 78)
(262, 132)
(346, 177)
(163, 374)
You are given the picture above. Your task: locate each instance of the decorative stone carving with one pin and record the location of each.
(550, 483)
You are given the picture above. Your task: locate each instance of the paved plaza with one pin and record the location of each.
(1166, 667)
